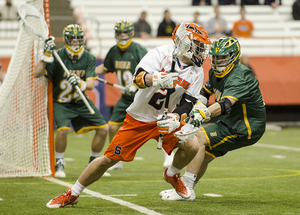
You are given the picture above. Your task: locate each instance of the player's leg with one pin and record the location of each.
(168, 159)
(98, 142)
(62, 114)
(183, 156)
(123, 147)
(86, 122)
(60, 148)
(92, 173)
(116, 122)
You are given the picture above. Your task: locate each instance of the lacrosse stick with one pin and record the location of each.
(34, 22)
(182, 45)
(111, 84)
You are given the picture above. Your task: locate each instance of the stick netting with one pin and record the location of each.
(24, 131)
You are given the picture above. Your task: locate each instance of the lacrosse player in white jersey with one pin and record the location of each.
(144, 119)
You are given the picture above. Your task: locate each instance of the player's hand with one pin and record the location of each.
(164, 79)
(74, 80)
(49, 46)
(198, 115)
(130, 90)
(168, 125)
(195, 118)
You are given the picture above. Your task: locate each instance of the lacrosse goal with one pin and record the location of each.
(24, 129)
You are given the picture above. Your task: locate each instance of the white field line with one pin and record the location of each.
(277, 147)
(109, 198)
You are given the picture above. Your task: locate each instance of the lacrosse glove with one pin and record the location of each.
(168, 125)
(74, 80)
(164, 80)
(49, 46)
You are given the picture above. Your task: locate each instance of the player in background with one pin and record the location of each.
(238, 105)
(68, 107)
(122, 59)
(140, 125)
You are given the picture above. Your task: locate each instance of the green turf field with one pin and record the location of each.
(261, 179)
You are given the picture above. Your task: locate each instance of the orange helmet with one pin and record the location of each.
(194, 41)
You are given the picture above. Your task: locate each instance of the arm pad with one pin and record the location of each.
(185, 106)
(139, 78)
(204, 93)
(225, 106)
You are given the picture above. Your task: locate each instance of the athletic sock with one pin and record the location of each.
(172, 170)
(191, 176)
(59, 155)
(77, 189)
(94, 155)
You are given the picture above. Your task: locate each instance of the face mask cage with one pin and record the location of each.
(75, 42)
(200, 52)
(221, 62)
(123, 37)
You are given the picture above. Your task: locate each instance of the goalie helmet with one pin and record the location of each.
(74, 38)
(192, 42)
(224, 53)
(124, 31)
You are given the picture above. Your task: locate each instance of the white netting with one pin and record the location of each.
(24, 134)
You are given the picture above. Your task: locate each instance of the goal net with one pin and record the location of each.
(24, 130)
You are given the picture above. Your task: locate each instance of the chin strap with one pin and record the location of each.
(74, 55)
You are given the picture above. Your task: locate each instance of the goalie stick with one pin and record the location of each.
(34, 21)
(111, 84)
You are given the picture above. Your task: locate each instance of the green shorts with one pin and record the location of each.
(222, 139)
(119, 113)
(79, 115)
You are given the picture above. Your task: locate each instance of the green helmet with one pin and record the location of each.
(74, 38)
(224, 53)
(124, 31)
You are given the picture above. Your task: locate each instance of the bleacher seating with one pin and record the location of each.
(276, 33)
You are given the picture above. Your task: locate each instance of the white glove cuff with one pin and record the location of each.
(156, 79)
(47, 59)
(82, 85)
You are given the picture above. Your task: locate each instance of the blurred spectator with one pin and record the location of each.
(142, 28)
(226, 2)
(242, 27)
(217, 26)
(201, 2)
(9, 11)
(273, 3)
(296, 10)
(196, 19)
(166, 27)
(249, 2)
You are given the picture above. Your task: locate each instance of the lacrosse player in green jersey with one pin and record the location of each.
(238, 105)
(68, 107)
(122, 59)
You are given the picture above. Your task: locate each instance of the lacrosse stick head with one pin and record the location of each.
(33, 21)
(192, 41)
(188, 131)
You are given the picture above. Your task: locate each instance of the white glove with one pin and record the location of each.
(199, 114)
(166, 126)
(49, 46)
(74, 80)
(130, 90)
(164, 80)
